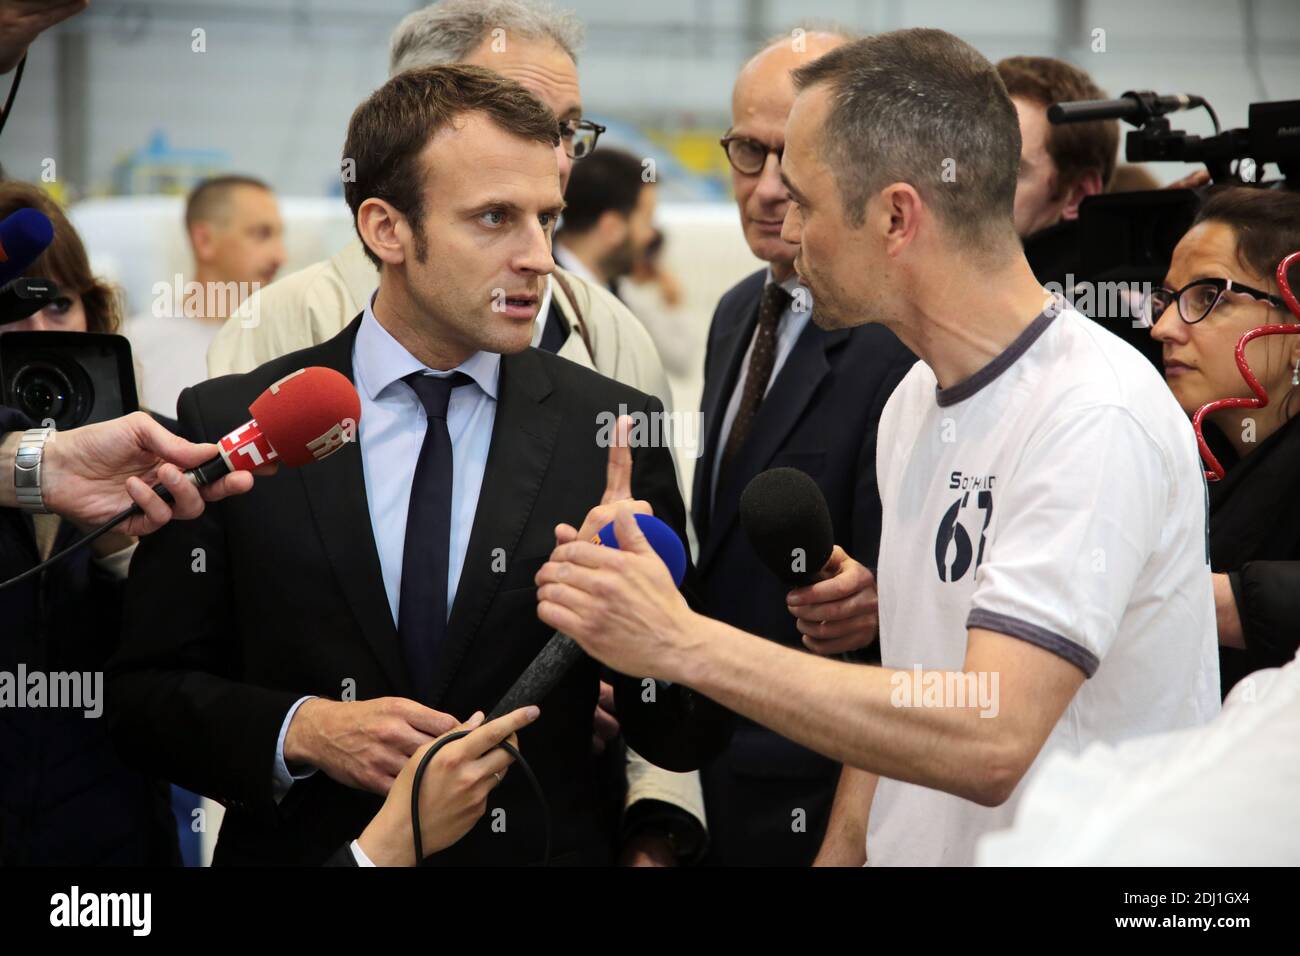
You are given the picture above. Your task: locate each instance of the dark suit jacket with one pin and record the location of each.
(1255, 538)
(820, 416)
(290, 601)
(66, 798)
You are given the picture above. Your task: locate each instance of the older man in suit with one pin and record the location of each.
(779, 391)
(397, 575)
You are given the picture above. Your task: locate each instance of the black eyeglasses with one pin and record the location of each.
(1197, 299)
(579, 137)
(746, 155)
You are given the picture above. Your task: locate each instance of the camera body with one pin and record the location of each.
(67, 379)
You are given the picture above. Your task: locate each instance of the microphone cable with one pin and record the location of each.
(13, 92)
(519, 759)
(87, 538)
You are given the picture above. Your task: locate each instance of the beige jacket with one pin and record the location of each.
(314, 304)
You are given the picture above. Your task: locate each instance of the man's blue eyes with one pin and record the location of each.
(546, 219)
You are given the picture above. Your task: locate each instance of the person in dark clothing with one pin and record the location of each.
(65, 796)
(1222, 283)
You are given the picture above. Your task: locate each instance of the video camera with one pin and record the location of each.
(1128, 239)
(65, 378)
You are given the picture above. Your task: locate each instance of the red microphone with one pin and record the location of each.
(305, 416)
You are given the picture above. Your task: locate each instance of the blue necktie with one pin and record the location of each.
(422, 603)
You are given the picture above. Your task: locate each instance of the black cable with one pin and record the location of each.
(508, 748)
(13, 92)
(1213, 116)
(103, 529)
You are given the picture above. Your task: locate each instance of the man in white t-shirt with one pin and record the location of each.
(1043, 578)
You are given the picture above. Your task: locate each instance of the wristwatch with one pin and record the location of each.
(27, 470)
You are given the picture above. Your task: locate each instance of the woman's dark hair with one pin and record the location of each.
(1266, 222)
(1267, 226)
(65, 262)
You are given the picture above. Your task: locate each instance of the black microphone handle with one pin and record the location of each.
(546, 670)
(204, 474)
(1087, 110)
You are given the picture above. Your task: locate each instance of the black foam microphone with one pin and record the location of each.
(561, 652)
(786, 519)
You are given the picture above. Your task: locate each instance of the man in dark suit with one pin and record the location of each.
(398, 573)
(778, 391)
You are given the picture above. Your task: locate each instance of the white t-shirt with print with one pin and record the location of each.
(1055, 496)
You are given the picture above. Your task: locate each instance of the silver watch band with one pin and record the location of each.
(27, 470)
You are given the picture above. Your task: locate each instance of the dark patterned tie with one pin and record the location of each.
(761, 361)
(422, 604)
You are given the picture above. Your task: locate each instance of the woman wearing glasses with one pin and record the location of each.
(1222, 283)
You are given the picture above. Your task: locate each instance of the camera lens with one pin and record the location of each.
(44, 391)
(39, 400)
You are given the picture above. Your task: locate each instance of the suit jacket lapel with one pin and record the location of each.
(720, 380)
(782, 407)
(523, 441)
(336, 492)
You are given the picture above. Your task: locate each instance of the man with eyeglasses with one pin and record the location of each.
(536, 45)
(779, 391)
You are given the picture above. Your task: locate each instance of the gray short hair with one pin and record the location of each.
(447, 32)
(922, 107)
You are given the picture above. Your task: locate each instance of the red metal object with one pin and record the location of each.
(1215, 470)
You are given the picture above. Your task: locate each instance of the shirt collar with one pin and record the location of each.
(379, 360)
(791, 284)
(567, 261)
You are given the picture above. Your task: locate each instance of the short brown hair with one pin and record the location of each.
(65, 262)
(390, 129)
(209, 201)
(909, 106)
(1266, 223)
(1075, 148)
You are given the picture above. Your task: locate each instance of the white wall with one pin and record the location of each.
(280, 77)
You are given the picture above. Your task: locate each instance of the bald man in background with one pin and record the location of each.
(779, 391)
(237, 238)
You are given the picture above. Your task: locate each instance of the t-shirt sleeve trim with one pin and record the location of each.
(1079, 656)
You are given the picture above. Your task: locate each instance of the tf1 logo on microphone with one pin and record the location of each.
(246, 448)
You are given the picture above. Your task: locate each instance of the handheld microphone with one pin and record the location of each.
(786, 519)
(305, 416)
(562, 652)
(24, 235)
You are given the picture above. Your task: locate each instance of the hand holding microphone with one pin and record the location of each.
(453, 791)
(620, 605)
(617, 496)
(92, 472)
(785, 516)
(87, 472)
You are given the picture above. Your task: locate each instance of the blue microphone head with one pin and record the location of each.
(662, 538)
(24, 235)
